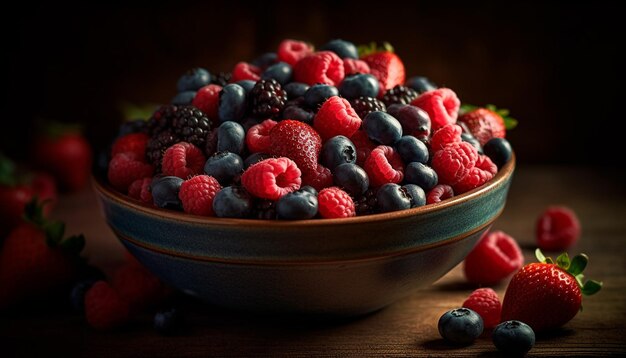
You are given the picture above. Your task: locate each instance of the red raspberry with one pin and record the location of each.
(197, 194)
(125, 168)
(140, 190)
(557, 229)
(352, 66)
(272, 178)
(336, 117)
(364, 146)
(245, 71)
(134, 142)
(183, 160)
(454, 162)
(298, 141)
(486, 303)
(104, 308)
(438, 193)
(139, 287)
(258, 136)
(495, 257)
(292, 51)
(335, 203)
(383, 166)
(450, 133)
(320, 67)
(442, 105)
(207, 100)
(482, 172)
(319, 179)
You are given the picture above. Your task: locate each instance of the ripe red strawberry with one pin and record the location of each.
(486, 123)
(546, 295)
(386, 66)
(139, 287)
(105, 308)
(297, 141)
(35, 258)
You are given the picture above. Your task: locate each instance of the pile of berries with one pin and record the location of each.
(299, 134)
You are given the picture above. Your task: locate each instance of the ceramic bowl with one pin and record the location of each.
(340, 267)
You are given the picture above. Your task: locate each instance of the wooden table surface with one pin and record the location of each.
(407, 328)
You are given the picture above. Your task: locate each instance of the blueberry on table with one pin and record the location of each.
(232, 103)
(352, 178)
(165, 192)
(420, 84)
(168, 322)
(360, 85)
(193, 80)
(421, 175)
(391, 197)
(513, 337)
(460, 326)
(498, 150)
(77, 295)
(342, 48)
(298, 205)
(412, 149)
(317, 94)
(232, 202)
(225, 167)
(382, 128)
(336, 151)
(281, 72)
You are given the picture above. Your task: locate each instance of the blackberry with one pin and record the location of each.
(367, 203)
(222, 78)
(268, 99)
(157, 145)
(399, 95)
(364, 105)
(161, 119)
(191, 125)
(264, 209)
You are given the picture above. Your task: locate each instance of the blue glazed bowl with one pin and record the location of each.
(340, 267)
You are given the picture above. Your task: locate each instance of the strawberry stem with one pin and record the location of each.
(54, 229)
(509, 122)
(575, 268)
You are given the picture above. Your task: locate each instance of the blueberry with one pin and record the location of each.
(412, 149)
(295, 89)
(193, 80)
(352, 178)
(309, 189)
(337, 150)
(421, 175)
(168, 322)
(460, 326)
(498, 150)
(77, 295)
(342, 48)
(513, 337)
(382, 128)
(183, 97)
(231, 137)
(232, 104)
(255, 158)
(280, 71)
(467, 137)
(391, 197)
(317, 94)
(247, 85)
(361, 85)
(298, 205)
(165, 192)
(420, 84)
(299, 114)
(226, 167)
(417, 194)
(232, 202)
(414, 120)
(132, 126)
(265, 60)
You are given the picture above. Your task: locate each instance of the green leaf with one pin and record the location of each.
(7, 171)
(591, 287)
(578, 264)
(563, 261)
(33, 212)
(73, 244)
(503, 112)
(54, 232)
(492, 107)
(540, 256)
(133, 112)
(466, 107)
(509, 123)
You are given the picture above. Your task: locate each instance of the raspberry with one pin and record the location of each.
(450, 133)
(438, 193)
(297, 141)
(134, 142)
(140, 190)
(383, 166)
(104, 308)
(454, 162)
(442, 106)
(272, 178)
(557, 229)
(137, 286)
(183, 160)
(245, 71)
(335, 203)
(258, 136)
(125, 168)
(486, 303)
(292, 51)
(207, 100)
(320, 67)
(495, 257)
(364, 146)
(319, 179)
(353, 67)
(481, 173)
(197, 194)
(336, 117)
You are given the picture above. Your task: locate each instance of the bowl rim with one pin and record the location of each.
(107, 190)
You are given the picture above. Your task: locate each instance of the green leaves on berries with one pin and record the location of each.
(54, 229)
(373, 47)
(509, 122)
(575, 267)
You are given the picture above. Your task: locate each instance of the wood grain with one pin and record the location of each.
(407, 328)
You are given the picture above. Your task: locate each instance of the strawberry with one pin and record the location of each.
(35, 258)
(297, 141)
(385, 65)
(486, 123)
(105, 309)
(66, 154)
(547, 295)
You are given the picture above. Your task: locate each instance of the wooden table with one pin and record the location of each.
(407, 328)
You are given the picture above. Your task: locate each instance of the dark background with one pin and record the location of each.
(556, 67)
